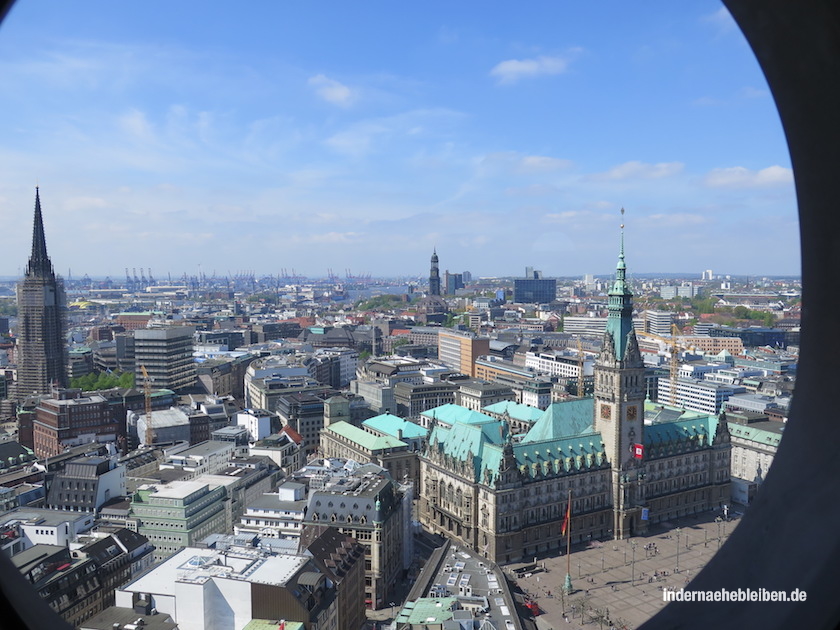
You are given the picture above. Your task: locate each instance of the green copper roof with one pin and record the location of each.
(620, 306)
(702, 429)
(553, 455)
(569, 454)
(450, 414)
(515, 410)
(390, 424)
(364, 439)
(754, 434)
(562, 420)
(427, 610)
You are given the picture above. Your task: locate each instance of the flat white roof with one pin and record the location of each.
(194, 564)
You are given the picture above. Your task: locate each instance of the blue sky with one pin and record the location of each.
(317, 135)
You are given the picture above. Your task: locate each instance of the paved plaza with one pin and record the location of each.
(623, 580)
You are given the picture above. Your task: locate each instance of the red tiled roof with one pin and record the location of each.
(293, 435)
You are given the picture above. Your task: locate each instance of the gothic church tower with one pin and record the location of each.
(434, 275)
(42, 313)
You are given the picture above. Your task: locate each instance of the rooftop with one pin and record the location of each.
(197, 565)
(366, 440)
(390, 424)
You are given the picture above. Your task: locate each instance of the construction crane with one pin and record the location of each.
(147, 388)
(675, 364)
(581, 391)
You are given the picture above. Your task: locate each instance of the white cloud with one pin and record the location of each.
(581, 218)
(84, 203)
(542, 164)
(332, 91)
(535, 190)
(740, 177)
(506, 162)
(356, 141)
(677, 219)
(640, 170)
(135, 123)
(751, 92)
(721, 19)
(512, 70)
(333, 237)
(707, 101)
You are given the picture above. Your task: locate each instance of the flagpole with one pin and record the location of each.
(567, 586)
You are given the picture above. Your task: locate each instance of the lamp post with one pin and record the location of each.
(679, 531)
(718, 520)
(633, 565)
(393, 604)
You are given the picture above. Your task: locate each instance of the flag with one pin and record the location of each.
(566, 518)
(638, 451)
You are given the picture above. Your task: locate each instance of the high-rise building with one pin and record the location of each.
(534, 289)
(42, 320)
(167, 355)
(434, 275)
(459, 349)
(452, 282)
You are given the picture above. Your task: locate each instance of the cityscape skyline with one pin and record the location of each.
(470, 133)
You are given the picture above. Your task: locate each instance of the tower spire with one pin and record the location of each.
(620, 308)
(434, 274)
(39, 261)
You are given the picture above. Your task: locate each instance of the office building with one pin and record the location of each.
(534, 289)
(659, 322)
(203, 588)
(71, 419)
(167, 355)
(177, 514)
(369, 506)
(86, 484)
(42, 320)
(459, 349)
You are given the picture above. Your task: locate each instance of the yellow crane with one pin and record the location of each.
(581, 391)
(675, 364)
(147, 388)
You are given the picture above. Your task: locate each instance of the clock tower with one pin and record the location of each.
(619, 404)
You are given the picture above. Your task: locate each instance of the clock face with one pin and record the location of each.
(631, 413)
(605, 412)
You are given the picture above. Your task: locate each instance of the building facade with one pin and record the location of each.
(71, 419)
(460, 349)
(167, 355)
(505, 498)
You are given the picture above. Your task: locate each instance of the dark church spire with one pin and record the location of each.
(434, 275)
(39, 261)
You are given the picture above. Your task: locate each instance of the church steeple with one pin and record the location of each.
(434, 275)
(39, 262)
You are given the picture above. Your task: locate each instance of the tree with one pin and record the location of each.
(741, 312)
(95, 381)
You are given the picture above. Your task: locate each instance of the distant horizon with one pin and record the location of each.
(160, 280)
